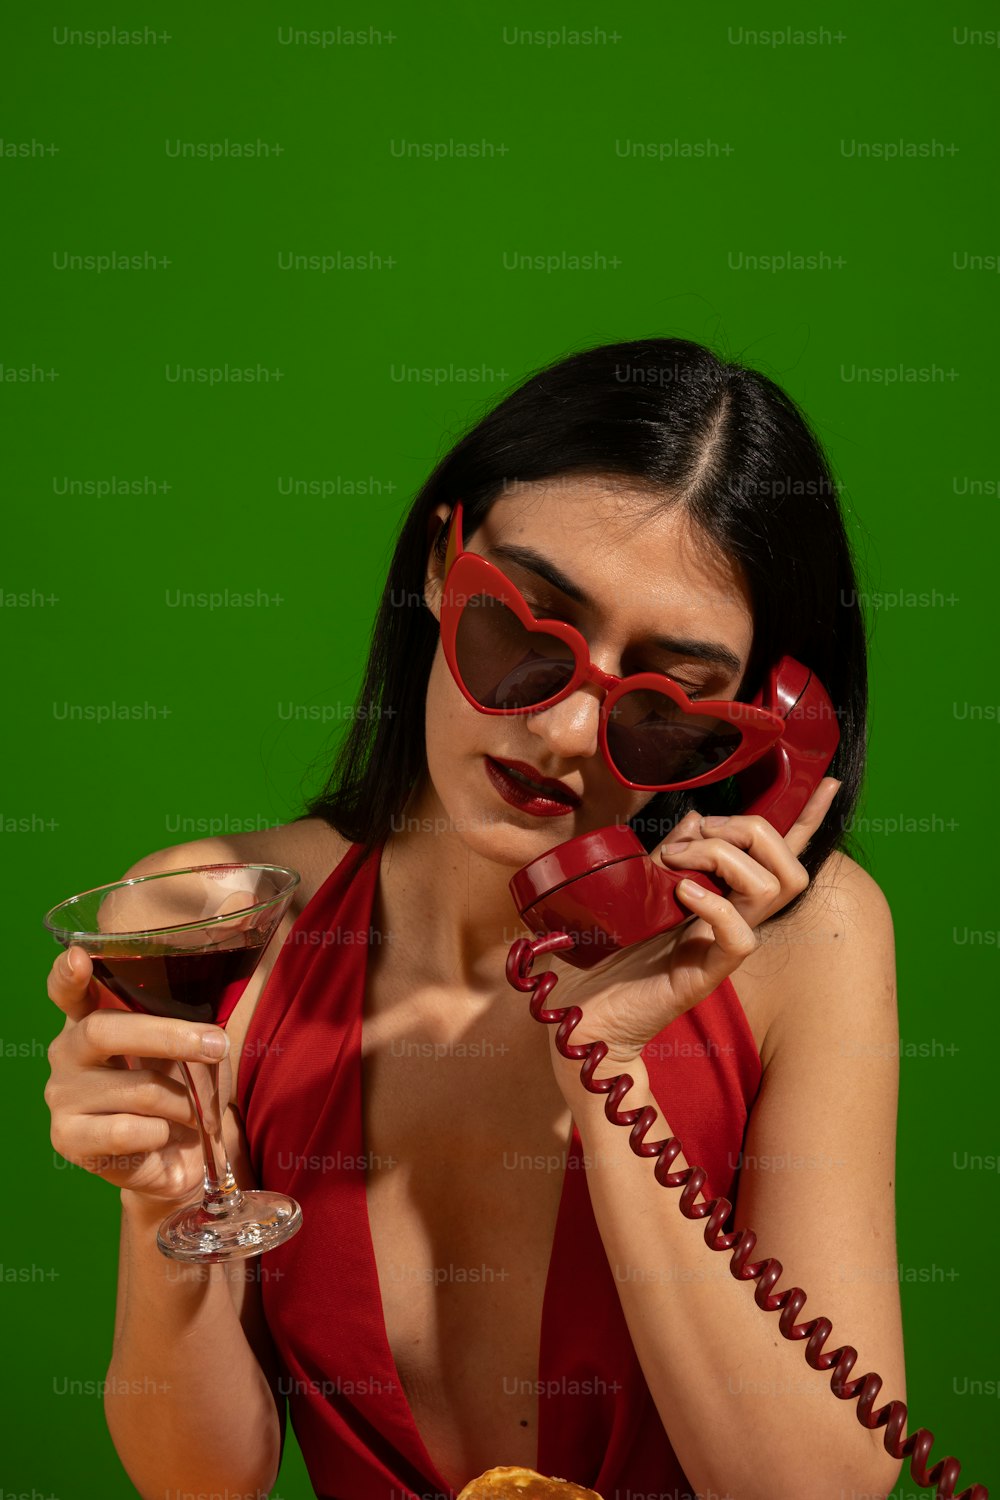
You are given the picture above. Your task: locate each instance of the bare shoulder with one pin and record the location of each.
(838, 943)
(310, 846)
(843, 904)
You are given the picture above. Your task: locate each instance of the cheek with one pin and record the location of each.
(455, 736)
(450, 722)
(650, 823)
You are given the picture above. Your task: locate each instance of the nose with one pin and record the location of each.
(569, 729)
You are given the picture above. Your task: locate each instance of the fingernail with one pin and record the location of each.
(214, 1043)
(71, 961)
(690, 891)
(712, 822)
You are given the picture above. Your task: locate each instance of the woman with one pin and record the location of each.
(457, 1181)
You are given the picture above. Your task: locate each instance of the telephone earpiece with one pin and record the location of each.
(606, 891)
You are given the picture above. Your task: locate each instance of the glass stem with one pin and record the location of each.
(221, 1193)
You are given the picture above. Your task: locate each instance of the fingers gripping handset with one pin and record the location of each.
(603, 888)
(600, 893)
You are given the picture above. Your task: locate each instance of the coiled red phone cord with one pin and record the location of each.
(766, 1273)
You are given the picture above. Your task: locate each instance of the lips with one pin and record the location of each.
(535, 782)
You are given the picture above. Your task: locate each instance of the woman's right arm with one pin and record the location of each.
(191, 1399)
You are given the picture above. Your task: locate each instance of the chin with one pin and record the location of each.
(504, 835)
(512, 839)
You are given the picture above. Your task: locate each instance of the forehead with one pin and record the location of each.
(639, 561)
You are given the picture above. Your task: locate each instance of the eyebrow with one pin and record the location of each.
(526, 557)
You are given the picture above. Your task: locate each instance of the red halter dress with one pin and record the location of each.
(299, 1095)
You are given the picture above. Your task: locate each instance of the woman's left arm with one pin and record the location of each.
(747, 1416)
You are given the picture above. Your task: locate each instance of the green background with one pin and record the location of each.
(82, 799)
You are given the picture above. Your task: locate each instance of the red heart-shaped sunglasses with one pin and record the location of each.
(507, 661)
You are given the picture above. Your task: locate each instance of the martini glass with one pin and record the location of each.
(185, 943)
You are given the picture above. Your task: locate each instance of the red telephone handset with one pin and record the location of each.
(606, 891)
(601, 892)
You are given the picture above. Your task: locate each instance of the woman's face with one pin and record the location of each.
(646, 591)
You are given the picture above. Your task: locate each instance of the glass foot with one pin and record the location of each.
(262, 1221)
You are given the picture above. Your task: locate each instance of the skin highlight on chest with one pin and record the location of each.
(462, 1234)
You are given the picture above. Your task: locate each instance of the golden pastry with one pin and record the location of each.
(523, 1484)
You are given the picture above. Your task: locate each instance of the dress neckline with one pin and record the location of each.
(408, 1421)
(294, 968)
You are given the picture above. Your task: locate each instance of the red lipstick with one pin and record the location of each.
(522, 787)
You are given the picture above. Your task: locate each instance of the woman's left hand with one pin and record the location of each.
(629, 999)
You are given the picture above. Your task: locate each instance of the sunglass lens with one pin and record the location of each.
(653, 742)
(504, 665)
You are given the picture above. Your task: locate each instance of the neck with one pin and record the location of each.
(449, 906)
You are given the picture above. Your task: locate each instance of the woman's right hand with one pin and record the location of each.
(135, 1126)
